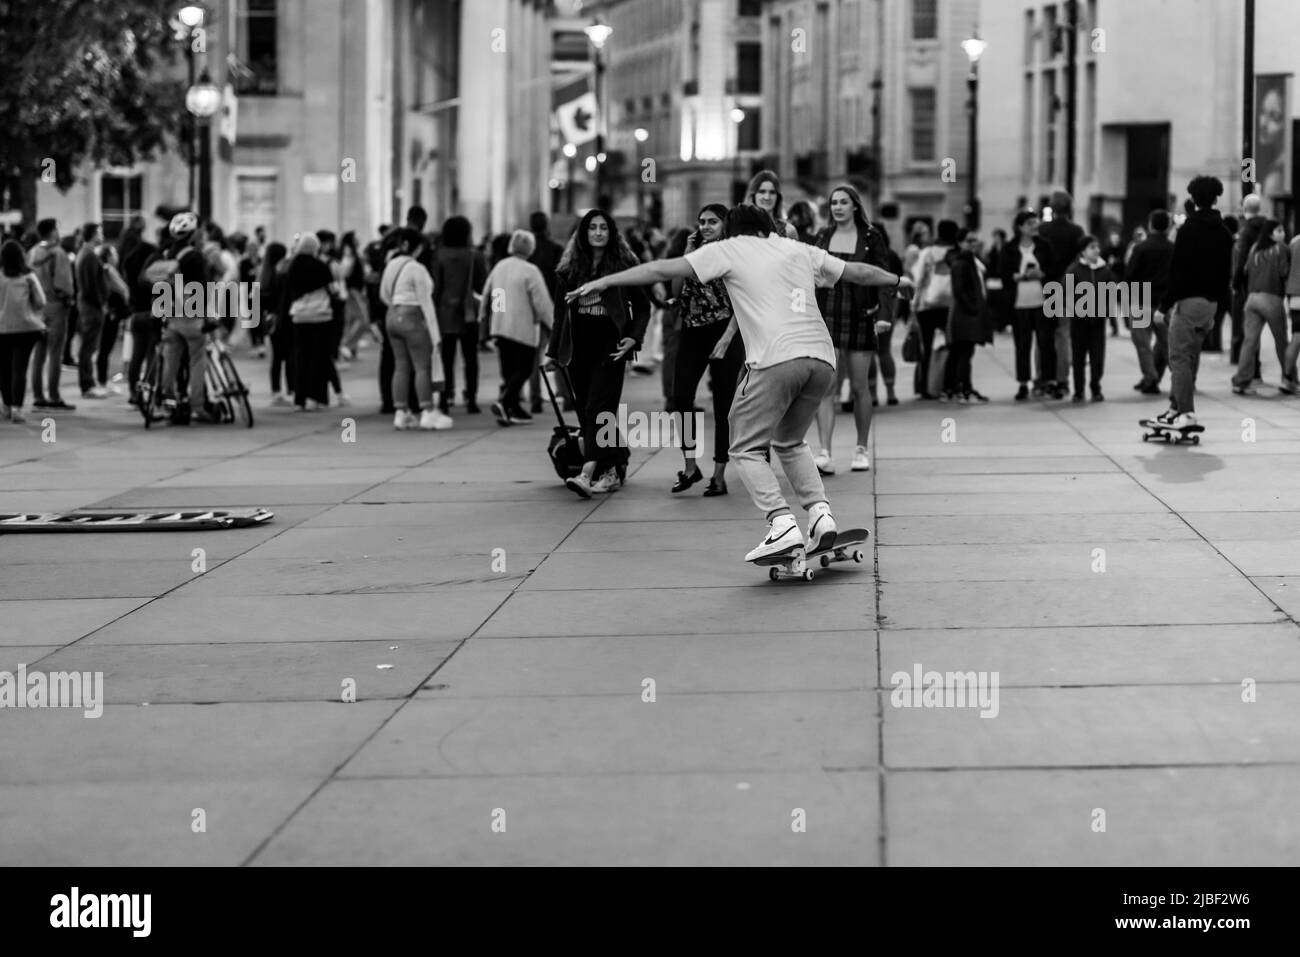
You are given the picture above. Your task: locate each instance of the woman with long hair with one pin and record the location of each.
(1263, 274)
(933, 299)
(22, 304)
(271, 280)
(705, 311)
(853, 317)
(593, 337)
(765, 192)
(356, 322)
(412, 325)
(804, 220)
(459, 272)
(892, 309)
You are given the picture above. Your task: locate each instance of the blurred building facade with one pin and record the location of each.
(348, 111)
(1159, 99)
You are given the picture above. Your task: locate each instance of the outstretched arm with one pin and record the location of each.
(661, 270)
(866, 275)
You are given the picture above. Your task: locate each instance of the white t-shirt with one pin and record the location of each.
(772, 283)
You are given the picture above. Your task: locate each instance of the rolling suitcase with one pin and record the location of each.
(565, 445)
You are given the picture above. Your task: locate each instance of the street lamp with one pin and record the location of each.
(599, 32)
(974, 48)
(640, 134)
(737, 117)
(203, 99)
(189, 18)
(191, 15)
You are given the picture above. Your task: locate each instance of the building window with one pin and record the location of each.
(256, 28)
(749, 68)
(629, 107)
(119, 200)
(925, 20)
(255, 203)
(750, 8)
(1052, 109)
(923, 123)
(748, 135)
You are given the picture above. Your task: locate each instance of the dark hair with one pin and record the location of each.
(578, 263)
(1158, 221)
(164, 237)
(404, 236)
(761, 177)
(677, 242)
(859, 208)
(1265, 239)
(238, 243)
(947, 232)
(1232, 225)
(326, 236)
(717, 209)
(884, 235)
(12, 259)
(500, 247)
(271, 257)
(456, 232)
(349, 241)
(746, 220)
(417, 217)
(803, 217)
(216, 234)
(1086, 240)
(1022, 217)
(88, 232)
(1204, 190)
(46, 226)
(538, 222)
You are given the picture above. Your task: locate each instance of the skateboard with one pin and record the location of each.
(1158, 430)
(126, 521)
(797, 564)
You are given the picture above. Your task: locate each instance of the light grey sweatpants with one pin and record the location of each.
(773, 408)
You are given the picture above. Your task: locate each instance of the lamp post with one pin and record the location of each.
(974, 48)
(737, 117)
(598, 32)
(190, 17)
(876, 174)
(569, 151)
(203, 100)
(641, 134)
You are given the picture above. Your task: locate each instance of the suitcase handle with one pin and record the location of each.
(552, 366)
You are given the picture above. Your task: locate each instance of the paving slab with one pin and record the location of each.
(1179, 817)
(59, 621)
(1100, 727)
(1246, 526)
(767, 731)
(471, 515)
(683, 569)
(452, 539)
(231, 496)
(679, 664)
(976, 529)
(236, 472)
(1066, 560)
(202, 619)
(720, 819)
(724, 536)
(98, 579)
(1020, 504)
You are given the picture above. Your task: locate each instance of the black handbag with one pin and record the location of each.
(912, 343)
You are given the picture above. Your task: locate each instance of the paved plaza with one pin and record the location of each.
(1137, 604)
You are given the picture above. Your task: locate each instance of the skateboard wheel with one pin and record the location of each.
(808, 575)
(826, 561)
(773, 574)
(1146, 436)
(858, 556)
(1196, 440)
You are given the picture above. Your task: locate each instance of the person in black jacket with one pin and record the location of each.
(305, 301)
(1063, 235)
(1150, 264)
(144, 327)
(1025, 265)
(546, 256)
(593, 337)
(969, 322)
(1200, 277)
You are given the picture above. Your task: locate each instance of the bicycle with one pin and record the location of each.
(227, 396)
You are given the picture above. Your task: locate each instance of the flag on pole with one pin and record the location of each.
(576, 110)
(229, 114)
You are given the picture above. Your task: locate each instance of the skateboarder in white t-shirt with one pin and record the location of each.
(789, 359)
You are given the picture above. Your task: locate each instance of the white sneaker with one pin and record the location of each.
(607, 482)
(279, 401)
(580, 484)
(431, 420)
(860, 461)
(342, 399)
(1183, 420)
(403, 420)
(311, 405)
(821, 527)
(782, 538)
(823, 462)
(95, 392)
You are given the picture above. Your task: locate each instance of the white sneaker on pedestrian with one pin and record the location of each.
(16, 416)
(97, 392)
(311, 405)
(431, 420)
(821, 527)
(860, 461)
(403, 420)
(580, 484)
(823, 462)
(782, 538)
(607, 482)
(342, 399)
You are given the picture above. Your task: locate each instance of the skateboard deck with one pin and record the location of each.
(127, 521)
(798, 564)
(1158, 430)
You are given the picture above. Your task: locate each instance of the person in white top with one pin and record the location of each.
(515, 308)
(412, 324)
(789, 358)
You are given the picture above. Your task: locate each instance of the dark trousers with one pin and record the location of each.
(90, 323)
(929, 320)
(15, 353)
(282, 355)
(311, 358)
(694, 344)
(956, 374)
(146, 333)
(107, 339)
(468, 340)
(598, 387)
(1045, 334)
(1088, 344)
(517, 361)
(1024, 326)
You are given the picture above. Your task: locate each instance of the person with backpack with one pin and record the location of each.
(934, 299)
(51, 267)
(182, 334)
(145, 328)
(407, 290)
(22, 305)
